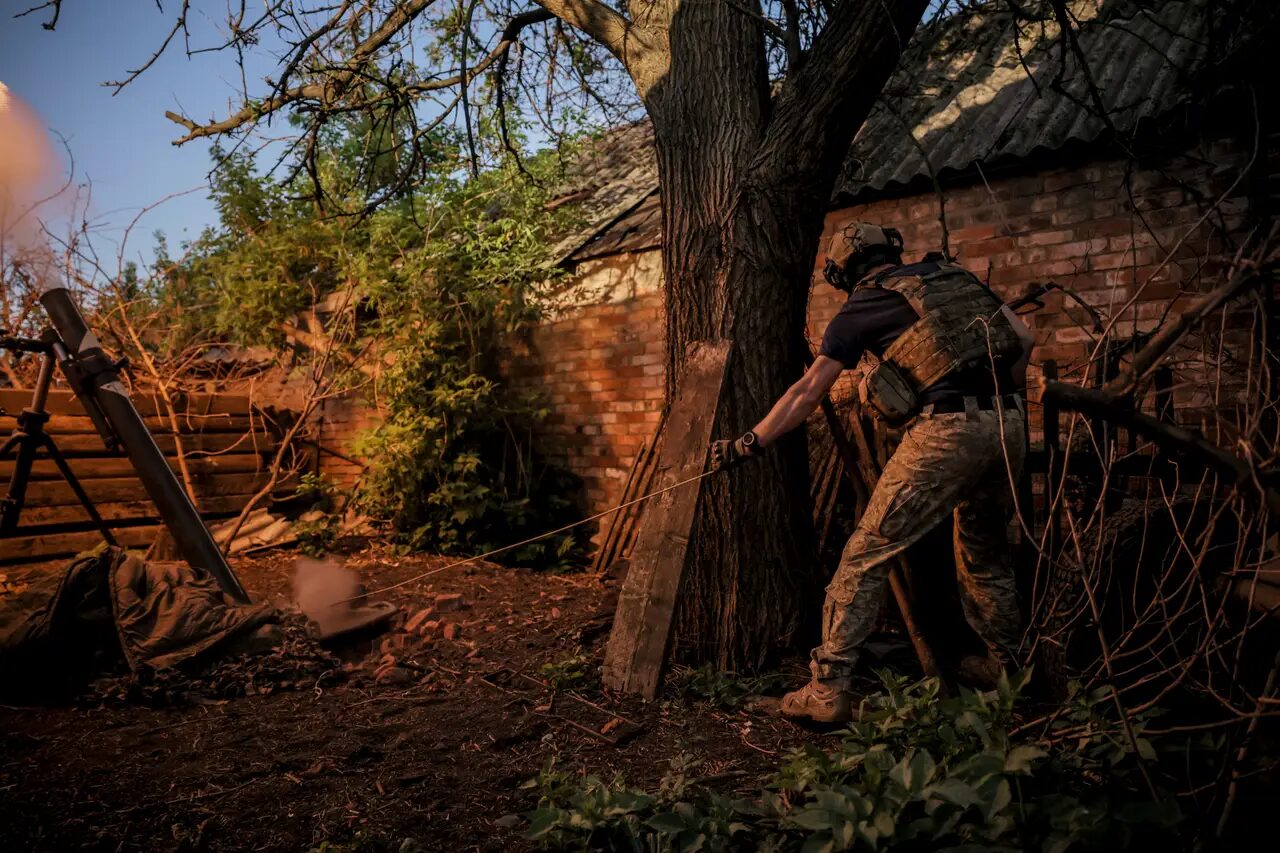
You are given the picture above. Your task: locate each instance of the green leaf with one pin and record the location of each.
(955, 791)
(693, 843)
(813, 819)
(668, 823)
(542, 822)
(1020, 758)
(922, 769)
(1000, 799)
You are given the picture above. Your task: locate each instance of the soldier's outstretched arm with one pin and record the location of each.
(800, 400)
(791, 410)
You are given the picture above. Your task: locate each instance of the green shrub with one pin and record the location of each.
(317, 536)
(921, 772)
(567, 673)
(432, 289)
(725, 690)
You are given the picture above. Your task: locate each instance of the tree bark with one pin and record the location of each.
(745, 178)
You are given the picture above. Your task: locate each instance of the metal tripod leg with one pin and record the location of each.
(11, 505)
(26, 438)
(31, 421)
(74, 482)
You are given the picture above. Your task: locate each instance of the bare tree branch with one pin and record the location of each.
(771, 27)
(50, 24)
(795, 53)
(861, 41)
(331, 90)
(179, 25)
(1249, 275)
(607, 27)
(300, 50)
(1069, 35)
(326, 94)
(1174, 438)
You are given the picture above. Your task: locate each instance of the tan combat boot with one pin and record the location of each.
(820, 703)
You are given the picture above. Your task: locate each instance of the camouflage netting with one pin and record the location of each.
(113, 626)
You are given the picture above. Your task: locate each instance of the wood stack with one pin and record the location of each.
(825, 470)
(620, 536)
(228, 447)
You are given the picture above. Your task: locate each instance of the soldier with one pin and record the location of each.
(949, 362)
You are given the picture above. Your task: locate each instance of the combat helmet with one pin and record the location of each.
(859, 248)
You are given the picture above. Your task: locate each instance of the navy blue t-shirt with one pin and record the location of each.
(873, 318)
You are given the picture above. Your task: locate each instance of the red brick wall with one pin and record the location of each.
(341, 421)
(600, 369)
(1136, 249)
(600, 364)
(336, 422)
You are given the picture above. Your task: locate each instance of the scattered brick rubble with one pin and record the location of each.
(407, 654)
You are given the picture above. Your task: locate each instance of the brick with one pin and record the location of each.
(1073, 334)
(983, 232)
(984, 248)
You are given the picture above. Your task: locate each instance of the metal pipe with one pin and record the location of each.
(98, 378)
(43, 380)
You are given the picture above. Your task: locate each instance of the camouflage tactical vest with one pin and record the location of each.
(960, 325)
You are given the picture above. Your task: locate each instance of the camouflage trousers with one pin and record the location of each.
(961, 463)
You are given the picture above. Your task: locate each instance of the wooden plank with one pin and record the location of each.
(644, 484)
(65, 403)
(25, 549)
(68, 425)
(58, 493)
(120, 512)
(646, 604)
(86, 444)
(621, 534)
(107, 467)
(604, 552)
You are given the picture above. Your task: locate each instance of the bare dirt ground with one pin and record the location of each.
(437, 758)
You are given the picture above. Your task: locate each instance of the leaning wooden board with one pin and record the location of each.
(228, 450)
(642, 626)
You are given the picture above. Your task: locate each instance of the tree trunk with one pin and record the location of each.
(745, 180)
(741, 594)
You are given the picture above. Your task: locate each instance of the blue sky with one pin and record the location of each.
(122, 143)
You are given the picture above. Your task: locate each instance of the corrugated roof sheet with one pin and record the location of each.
(981, 87)
(987, 87)
(616, 173)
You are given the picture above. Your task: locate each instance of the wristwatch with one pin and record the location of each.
(751, 444)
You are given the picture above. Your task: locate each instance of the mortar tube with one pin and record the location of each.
(103, 384)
